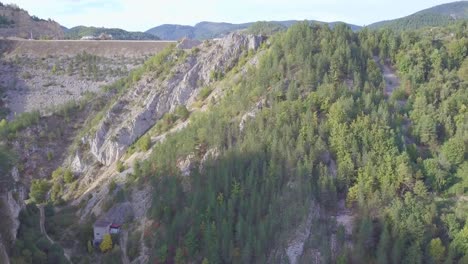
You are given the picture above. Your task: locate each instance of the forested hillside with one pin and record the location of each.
(351, 146)
(117, 33)
(440, 15)
(317, 98)
(208, 30)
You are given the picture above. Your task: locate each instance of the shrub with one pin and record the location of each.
(182, 112)
(216, 75)
(120, 166)
(144, 143)
(399, 94)
(204, 93)
(21, 121)
(50, 155)
(57, 174)
(68, 176)
(54, 69)
(112, 186)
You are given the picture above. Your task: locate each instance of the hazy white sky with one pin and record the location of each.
(140, 15)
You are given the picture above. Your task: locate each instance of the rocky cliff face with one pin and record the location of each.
(20, 24)
(9, 211)
(144, 104)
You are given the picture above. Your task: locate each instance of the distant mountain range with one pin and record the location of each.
(15, 22)
(207, 30)
(117, 33)
(435, 16)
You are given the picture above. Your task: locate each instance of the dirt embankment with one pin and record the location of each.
(21, 24)
(108, 48)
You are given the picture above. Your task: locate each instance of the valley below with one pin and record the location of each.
(43, 75)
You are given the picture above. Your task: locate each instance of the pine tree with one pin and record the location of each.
(436, 250)
(383, 247)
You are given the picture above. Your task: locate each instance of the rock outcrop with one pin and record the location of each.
(251, 114)
(77, 165)
(142, 106)
(187, 43)
(186, 165)
(9, 211)
(3, 253)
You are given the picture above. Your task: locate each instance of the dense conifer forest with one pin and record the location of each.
(320, 93)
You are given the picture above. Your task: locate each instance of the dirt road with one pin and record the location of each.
(43, 230)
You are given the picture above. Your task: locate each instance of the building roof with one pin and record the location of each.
(102, 223)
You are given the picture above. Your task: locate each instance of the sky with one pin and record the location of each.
(141, 15)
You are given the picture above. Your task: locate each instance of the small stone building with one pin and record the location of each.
(101, 228)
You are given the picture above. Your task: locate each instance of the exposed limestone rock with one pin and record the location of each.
(185, 165)
(251, 114)
(255, 41)
(15, 208)
(126, 122)
(9, 211)
(188, 43)
(77, 165)
(345, 217)
(3, 253)
(295, 246)
(119, 213)
(245, 117)
(15, 174)
(211, 154)
(141, 201)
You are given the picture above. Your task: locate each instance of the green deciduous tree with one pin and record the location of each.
(39, 189)
(106, 243)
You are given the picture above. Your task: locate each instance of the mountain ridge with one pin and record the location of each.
(206, 29)
(117, 33)
(438, 15)
(20, 24)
